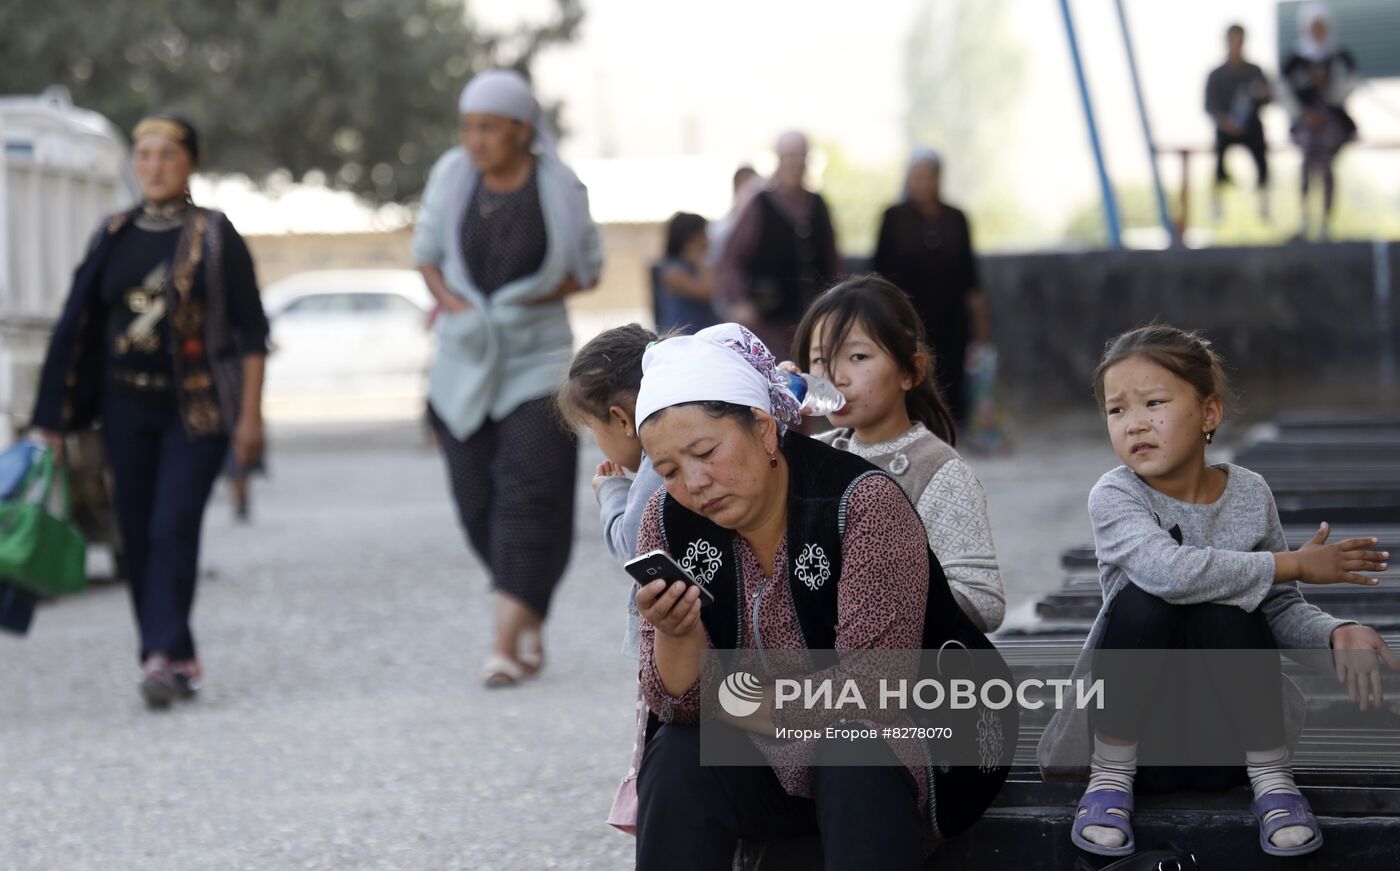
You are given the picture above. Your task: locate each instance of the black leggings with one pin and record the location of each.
(1226, 703)
(1253, 139)
(690, 816)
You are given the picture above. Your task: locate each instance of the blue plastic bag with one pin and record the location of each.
(14, 465)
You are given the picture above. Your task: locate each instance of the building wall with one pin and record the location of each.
(1298, 324)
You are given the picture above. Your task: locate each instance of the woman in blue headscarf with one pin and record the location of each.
(503, 237)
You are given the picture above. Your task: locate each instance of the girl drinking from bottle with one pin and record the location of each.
(865, 337)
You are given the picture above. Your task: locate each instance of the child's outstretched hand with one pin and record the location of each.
(1321, 563)
(1358, 651)
(606, 469)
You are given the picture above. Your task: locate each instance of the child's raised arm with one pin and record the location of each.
(1127, 535)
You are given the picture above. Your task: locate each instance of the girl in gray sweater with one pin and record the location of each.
(1193, 555)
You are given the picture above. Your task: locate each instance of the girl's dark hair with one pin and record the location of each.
(887, 315)
(1188, 356)
(607, 371)
(682, 229)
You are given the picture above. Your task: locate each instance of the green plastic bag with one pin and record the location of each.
(41, 550)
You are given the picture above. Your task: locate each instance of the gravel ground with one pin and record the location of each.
(343, 725)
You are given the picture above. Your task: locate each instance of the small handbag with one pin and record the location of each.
(41, 550)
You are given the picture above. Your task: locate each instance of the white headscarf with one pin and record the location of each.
(505, 93)
(723, 363)
(1308, 46)
(921, 155)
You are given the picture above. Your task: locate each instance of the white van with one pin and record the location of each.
(61, 171)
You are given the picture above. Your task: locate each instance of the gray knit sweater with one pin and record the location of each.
(1186, 553)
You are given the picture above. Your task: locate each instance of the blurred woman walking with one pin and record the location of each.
(503, 237)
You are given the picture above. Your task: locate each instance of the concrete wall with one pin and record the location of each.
(1297, 324)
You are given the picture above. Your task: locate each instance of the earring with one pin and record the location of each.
(773, 461)
(628, 434)
(1210, 437)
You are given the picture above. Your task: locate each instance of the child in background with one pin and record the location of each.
(865, 337)
(683, 284)
(1193, 555)
(601, 395)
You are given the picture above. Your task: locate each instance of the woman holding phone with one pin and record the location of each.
(750, 510)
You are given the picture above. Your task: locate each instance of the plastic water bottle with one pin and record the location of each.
(816, 396)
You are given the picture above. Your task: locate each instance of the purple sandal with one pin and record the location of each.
(1297, 813)
(1094, 810)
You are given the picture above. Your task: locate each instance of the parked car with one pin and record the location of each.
(348, 344)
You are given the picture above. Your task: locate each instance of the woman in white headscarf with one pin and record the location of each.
(503, 236)
(1319, 75)
(801, 547)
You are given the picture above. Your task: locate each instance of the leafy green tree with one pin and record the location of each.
(361, 92)
(964, 72)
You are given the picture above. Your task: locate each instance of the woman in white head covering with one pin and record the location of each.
(1319, 76)
(503, 236)
(925, 248)
(801, 547)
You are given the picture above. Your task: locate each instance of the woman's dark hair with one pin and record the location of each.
(884, 311)
(682, 229)
(607, 371)
(1188, 356)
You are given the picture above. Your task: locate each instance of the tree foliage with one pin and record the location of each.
(964, 74)
(361, 92)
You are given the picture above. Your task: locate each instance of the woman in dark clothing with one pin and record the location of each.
(162, 339)
(1319, 75)
(925, 247)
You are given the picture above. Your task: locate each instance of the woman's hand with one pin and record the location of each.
(1321, 563)
(454, 304)
(673, 608)
(567, 286)
(54, 441)
(606, 469)
(1357, 651)
(789, 366)
(248, 440)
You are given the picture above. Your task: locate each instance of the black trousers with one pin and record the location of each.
(1253, 139)
(1227, 703)
(690, 817)
(162, 479)
(513, 482)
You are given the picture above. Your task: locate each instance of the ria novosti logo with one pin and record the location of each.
(741, 694)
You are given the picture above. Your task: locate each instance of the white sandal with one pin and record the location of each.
(501, 671)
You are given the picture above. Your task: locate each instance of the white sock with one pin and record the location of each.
(1270, 773)
(1113, 766)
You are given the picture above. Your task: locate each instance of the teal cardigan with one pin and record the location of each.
(504, 350)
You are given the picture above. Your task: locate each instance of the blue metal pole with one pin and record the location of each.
(1162, 212)
(1110, 205)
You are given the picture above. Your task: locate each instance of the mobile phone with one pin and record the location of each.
(659, 566)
